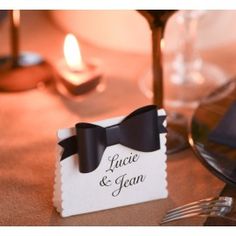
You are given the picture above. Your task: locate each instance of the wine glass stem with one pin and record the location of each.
(157, 34)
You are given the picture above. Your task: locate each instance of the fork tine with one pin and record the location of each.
(200, 206)
(198, 211)
(204, 207)
(214, 211)
(164, 221)
(193, 204)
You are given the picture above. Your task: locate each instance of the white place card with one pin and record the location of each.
(123, 177)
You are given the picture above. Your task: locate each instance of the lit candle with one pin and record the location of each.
(77, 75)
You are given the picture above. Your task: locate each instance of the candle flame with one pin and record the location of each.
(72, 53)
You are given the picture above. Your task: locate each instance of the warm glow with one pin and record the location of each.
(72, 53)
(162, 44)
(16, 17)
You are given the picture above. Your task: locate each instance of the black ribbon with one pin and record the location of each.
(140, 131)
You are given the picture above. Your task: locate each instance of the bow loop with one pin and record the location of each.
(139, 130)
(91, 142)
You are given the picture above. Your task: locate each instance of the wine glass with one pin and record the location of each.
(188, 78)
(176, 125)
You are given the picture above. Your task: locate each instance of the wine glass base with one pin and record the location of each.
(27, 73)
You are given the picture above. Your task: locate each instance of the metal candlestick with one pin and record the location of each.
(18, 70)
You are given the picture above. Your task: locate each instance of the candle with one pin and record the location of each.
(77, 75)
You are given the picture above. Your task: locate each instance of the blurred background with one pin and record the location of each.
(119, 30)
(121, 40)
(122, 31)
(128, 31)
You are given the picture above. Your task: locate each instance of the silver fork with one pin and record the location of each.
(214, 207)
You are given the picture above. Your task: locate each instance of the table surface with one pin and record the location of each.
(29, 121)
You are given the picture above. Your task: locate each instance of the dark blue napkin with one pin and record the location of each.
(225, 131)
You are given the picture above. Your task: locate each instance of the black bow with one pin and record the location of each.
(140, 131)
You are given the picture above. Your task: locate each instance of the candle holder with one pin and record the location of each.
(21, 71)
(76, 77)
(176, 123)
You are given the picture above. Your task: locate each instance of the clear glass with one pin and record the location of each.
(188, 78)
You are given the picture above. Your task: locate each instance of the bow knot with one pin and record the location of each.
(112, 135)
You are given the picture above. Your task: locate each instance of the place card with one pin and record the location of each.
(111, 163)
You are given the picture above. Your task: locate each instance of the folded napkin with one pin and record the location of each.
(225, 130)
